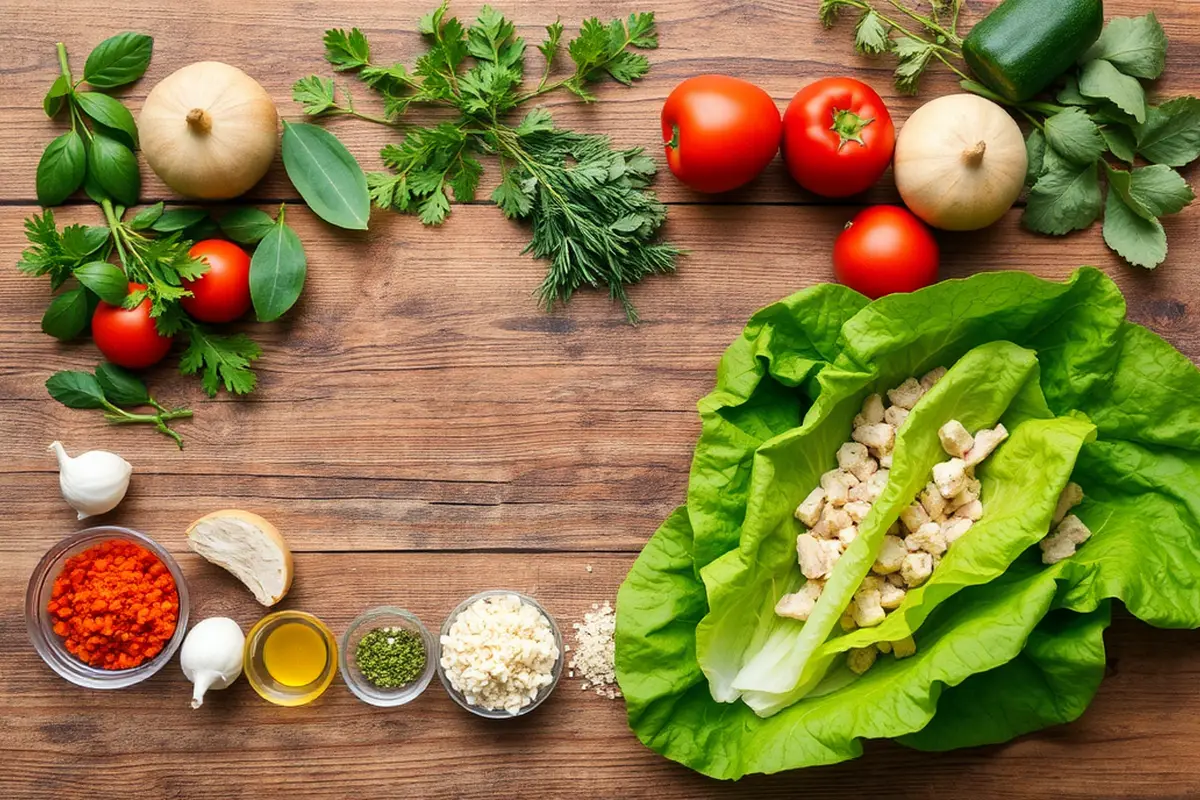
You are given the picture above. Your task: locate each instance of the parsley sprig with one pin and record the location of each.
(1097, 148)
(587, 202)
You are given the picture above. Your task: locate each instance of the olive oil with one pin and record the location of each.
(295, 654)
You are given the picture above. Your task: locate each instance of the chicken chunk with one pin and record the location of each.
(836, 484)
(953, 530)
(799, 605)
(847, 535)
(914, 517)
(928, 538)
(906, 394)
(956, 439)
(891, 555)
(904, 647)
(972, 511)
(866, 608)
(872, 409)
(835, 519)
(916, 568)
(950, 477)
(883, 647)
(847, 621)
(1065, 540)
(817, 556)
(861, 659)
(885, 461)
(985, 442)
(891, 596)
(930, 379)
(1072, 495)
(895, 416)
(856, 510)
(969, 493)
(879, 437)
(809, 511)
(851, 455)
(933, 502)
(876, 484)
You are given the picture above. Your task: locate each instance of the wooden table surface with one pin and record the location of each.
(422, 431)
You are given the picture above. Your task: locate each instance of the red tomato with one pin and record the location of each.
(127, 336)
(719, 132)
(885, 249)
(222, 294)
(838, 137)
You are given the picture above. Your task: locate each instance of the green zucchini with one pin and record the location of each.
(1023, 45)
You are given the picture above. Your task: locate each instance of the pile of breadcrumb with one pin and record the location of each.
(594, 654)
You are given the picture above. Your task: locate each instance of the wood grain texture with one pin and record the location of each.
(423, 430)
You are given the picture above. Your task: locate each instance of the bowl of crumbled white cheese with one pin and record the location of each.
(501, 654)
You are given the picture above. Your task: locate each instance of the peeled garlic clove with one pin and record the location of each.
(94, 482)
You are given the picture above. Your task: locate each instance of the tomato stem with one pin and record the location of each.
(849, 126)
(674, 143)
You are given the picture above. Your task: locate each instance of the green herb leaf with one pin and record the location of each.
(315, 94)
(56, 97)
(1100, 79)
(67, 315)
(61, 169)
(871, 34)
(121, 387)
(76, 389)
(118, 60)
(277, 272)
(1171, 133)
(1136, 46)
(914, 57)
(80, 241)
(1142, 242)
(246, 225)
(109, 112)
(1035, 155)
(220, 361)
(1069, 95)
(549, 48)
(347, 50)
(514, 197)
(1120, 142)
(1064, 199)
(106, 280)
(178, 219)
(115, 168)
(1075, 136)
(146, 217)
(433, 209)
(326, 175)
(1159, 190)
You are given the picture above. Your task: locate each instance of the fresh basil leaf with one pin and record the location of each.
(110, 112)
(177, 219)
(246, 225)
(1074, 136)
(105, 279)
(56, 98)
(1136, 46)
(120, 386)
(1120, 142)
(67, 315)
(115, 168)
(118, 60)
(1141, 242)
(81, 241)
(1066, 198)
(76, 389)
(326, 175)
(1035, 156)
(146, 217)
(1100, 79)
(95, 192)
(1171, 133)
(277, 272)
(61, 169)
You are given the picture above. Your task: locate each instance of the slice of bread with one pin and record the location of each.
(249, 547)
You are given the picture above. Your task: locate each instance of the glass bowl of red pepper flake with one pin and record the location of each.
(106, 607)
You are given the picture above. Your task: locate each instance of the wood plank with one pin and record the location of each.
(694, 39)
(419, 399)
(67, 742)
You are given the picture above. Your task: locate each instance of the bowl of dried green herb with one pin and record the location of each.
(388, 656)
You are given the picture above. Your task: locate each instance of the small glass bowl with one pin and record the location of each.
(386, 617)
(543, 693)
(49, 645)
(264, 683)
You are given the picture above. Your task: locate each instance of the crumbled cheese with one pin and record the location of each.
(1065, 539)
(595, 651)
(500, 652)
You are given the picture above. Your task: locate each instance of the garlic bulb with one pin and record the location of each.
(209, 130)
(211, 656)
(93, 482)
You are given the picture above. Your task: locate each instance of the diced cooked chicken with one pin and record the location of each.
(836, 484)
(904, 648)
(891, 555)
(872, 409)
(879, 437)
(876, 484)
(847, 621)
(916, 568)
(1072, 495)
(883, 647)
(851, 455)
(906, 394)
(969, 493)
(956, 439)
(799, 605)
(933, 502)
(847, 535)
(985, 442)
(856, 510)
(972, 511)
(1065, 540)
(950, 477)
(895, 416)
(866, 608)
(890, 595)
(885, 461)
(930, 379)
(895, 579)
(928, 538)
(860, 659)
(817, 556)
(914, 517)
(809, 511)
(953, 529)
(835, 519)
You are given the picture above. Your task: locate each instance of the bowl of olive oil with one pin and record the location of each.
(291, 658)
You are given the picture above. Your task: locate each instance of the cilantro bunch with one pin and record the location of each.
(586, 202)
(1097, 149)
